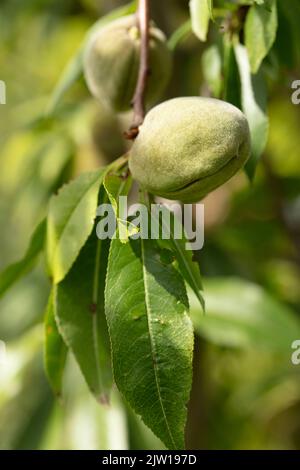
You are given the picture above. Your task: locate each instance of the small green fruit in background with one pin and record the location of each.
(111, 63)
(188, 147)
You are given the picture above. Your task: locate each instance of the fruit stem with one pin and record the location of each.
(138, 101)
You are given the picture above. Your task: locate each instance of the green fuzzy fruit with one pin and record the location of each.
(111, 63)
(189, 146)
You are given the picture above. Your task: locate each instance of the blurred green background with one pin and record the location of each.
(246, 392)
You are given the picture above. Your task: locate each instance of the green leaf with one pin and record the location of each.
(232, 83)
(200, 11)
(117, 184)
(188, 268)
(210, 8)
(286, 43)
(241, 314)
(151, 336)
(15, 271)
(81, 319)
(55, 350)
(70, 221)
(212, 69)
(74, 68)
(260, 31)
(70, 75)
(180, 34)
(254, 103)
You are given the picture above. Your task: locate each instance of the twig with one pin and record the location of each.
(139, 95)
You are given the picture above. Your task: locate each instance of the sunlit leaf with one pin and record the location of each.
(260, 31)
(200, 11)
(151, 336)
(70, 221)
(116, 184)
(254, 103)
(210, 8)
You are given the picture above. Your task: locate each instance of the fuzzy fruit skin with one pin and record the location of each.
(111, 63)
(189, 146)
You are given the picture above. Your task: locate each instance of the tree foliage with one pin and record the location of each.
(127, 311)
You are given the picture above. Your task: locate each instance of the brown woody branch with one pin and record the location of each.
(139, 95)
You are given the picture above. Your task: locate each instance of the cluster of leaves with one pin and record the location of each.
(250, 29)
(151, 344)
(122, 308)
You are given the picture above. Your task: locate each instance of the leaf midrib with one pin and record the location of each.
(152, 343)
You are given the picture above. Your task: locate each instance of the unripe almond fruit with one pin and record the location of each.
(188, 147)
(112, 59)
